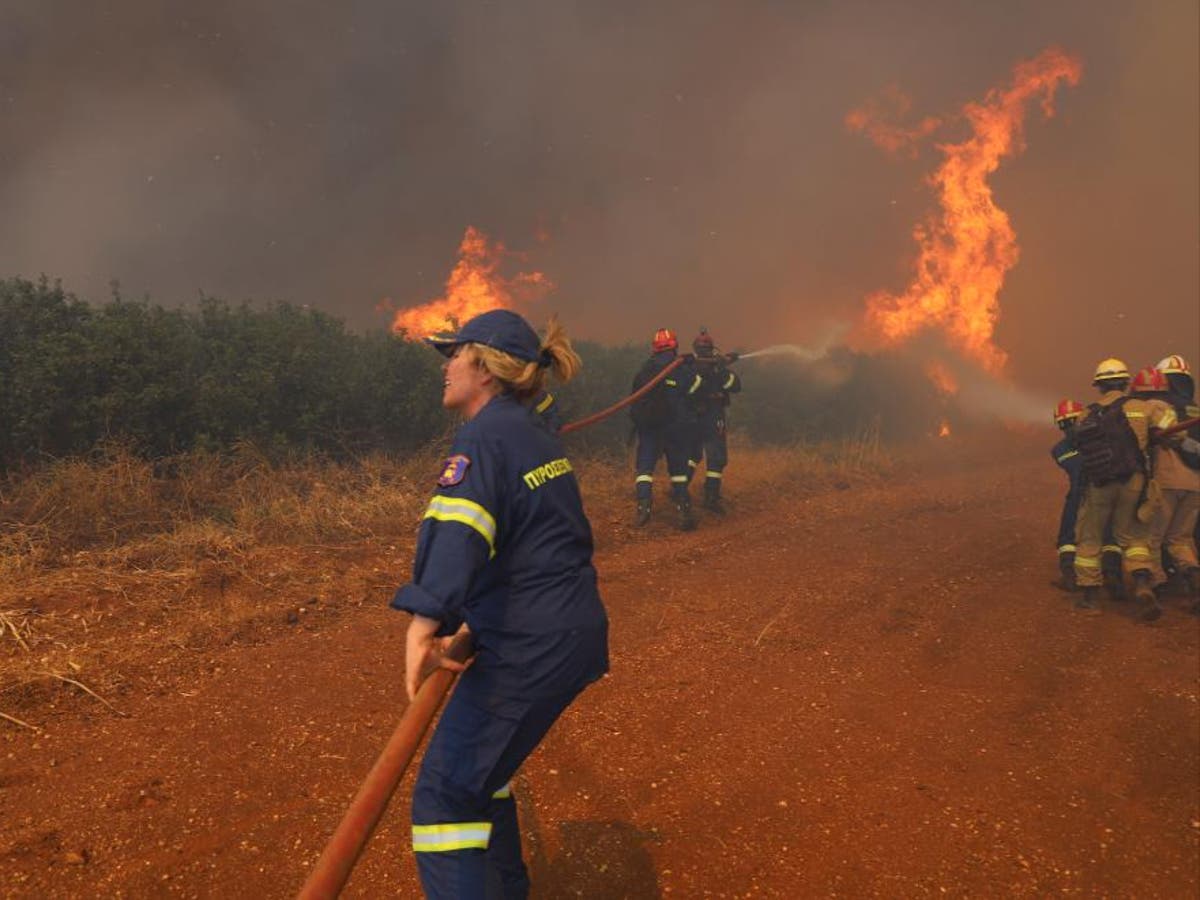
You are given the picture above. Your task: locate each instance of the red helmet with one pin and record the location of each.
(664, 339)
(1066, 411)
(1150, 380)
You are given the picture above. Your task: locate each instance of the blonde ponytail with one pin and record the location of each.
(526, 379)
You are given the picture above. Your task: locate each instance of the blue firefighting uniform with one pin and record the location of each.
(505, 547)
(1071, 463)
(671, 433)
(712, 401)
(545, 407)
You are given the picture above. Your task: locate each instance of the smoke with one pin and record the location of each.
(687, 163)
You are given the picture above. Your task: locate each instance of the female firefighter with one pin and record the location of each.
(505, 550)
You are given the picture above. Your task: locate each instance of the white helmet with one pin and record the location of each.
(1173, 365)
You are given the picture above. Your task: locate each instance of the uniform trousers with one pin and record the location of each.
(652, 443)
(1114, 503)
(465, 832)
(1173, 527)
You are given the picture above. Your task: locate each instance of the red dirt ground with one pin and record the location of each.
(868, 692)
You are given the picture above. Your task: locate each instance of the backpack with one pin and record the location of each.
(1108, 445)
(654, 409)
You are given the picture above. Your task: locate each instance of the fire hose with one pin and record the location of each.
(332, 870)
(1176, 428)
(333, 867)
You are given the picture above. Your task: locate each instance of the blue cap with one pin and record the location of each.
(500, 329)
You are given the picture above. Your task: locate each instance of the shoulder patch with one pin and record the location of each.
(454, 470)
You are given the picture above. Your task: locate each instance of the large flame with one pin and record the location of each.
(474, 286)
(967, 246)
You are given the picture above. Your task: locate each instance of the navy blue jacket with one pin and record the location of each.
(718, 383)
(1071, 462)
(505, 546)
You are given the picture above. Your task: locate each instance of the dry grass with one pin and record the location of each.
(112, 567)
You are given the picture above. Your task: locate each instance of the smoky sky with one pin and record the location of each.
(672, 163)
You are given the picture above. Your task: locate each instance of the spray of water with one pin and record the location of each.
(817, 351)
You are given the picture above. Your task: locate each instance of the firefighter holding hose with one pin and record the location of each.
(665, 422)
(504, 550)
(712, 403)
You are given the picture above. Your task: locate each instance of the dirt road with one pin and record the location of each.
(868, 691)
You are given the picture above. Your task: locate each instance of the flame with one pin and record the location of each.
(967, 246)
(944, 429)
(943, 379)
(872, 119)
(475, 285)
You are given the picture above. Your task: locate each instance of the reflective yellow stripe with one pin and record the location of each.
(713, 474)
(645, 479)
(545, 404)
(679, 479)
(1067, 548)
(1137, 553)
(451, 836)
(1068, 455)
(1167, 419)
(729, 382)
(504, 793)
(1131, 414)
(695, 385)
(1110, 548)
(465, 512)
(671, 382)
(692, 464)
(1087, 562)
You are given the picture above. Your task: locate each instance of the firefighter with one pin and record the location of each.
(505, 551)
(1066, 414)
(712, 401)
(1113, 441)
(1177, 469)
(664, 420)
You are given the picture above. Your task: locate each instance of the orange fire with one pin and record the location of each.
(944, 429)
(967, 246)
(943, 379)
(475, 285)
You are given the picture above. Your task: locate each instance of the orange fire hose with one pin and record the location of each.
(332, 870)
(621, 404)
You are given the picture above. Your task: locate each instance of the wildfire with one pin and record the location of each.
(475, 285)
(942, 378)
(968, 244)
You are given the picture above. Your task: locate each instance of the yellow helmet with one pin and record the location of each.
(1111, 369)
(1173, 365)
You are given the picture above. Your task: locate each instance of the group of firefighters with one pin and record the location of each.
(1130, 515)
(682, 417)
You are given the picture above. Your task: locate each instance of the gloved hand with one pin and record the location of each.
(731, 356)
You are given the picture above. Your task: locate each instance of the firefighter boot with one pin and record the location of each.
(687, 521)
(1143, 593)
(712, 496)
(1087, 600)
(1066, 570)
(643, 513)
(1192, 576)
